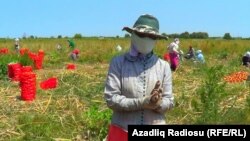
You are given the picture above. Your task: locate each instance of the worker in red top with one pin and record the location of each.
(75, 54)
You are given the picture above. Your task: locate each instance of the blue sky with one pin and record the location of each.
(45, 18)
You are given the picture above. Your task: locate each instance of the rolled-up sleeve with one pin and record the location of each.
(112, 92)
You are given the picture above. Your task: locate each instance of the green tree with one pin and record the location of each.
(164, 34)
(126, 35)
(184, 35)
(32, 37)
(78, 36)
(175, 35)
(227, 36)
(199, 35)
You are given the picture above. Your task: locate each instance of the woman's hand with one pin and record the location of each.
(154, 100)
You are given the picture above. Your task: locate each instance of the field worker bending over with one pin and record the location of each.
(17, 45)
(59, 47)
(191, 53)
(71, 44)
(138, 86)
(200, 57)
(246, 59)
(75, 54)
(174, 53)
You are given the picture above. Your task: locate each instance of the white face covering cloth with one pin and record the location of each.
(143, 45)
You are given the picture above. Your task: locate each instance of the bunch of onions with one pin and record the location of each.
(236, 77)
(28, 84)
(50, 83)
(14, 71)
(4, 51)
(71, 66)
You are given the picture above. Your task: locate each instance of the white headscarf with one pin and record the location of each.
(198, 51)
(247, 54)
(143, 45)
(177, 41)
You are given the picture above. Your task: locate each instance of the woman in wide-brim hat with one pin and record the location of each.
(138, 86)
(146, 26)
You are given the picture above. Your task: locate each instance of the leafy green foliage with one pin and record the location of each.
(97, 121)
(25, 60)
(78, 36)
(227, 36)
(5, 60)
(211, 93)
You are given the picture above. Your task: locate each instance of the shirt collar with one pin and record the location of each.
(134, 55)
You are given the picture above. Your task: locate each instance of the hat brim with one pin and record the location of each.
(158, 36)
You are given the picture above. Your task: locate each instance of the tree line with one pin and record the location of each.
(184, 35)
(194, 35)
